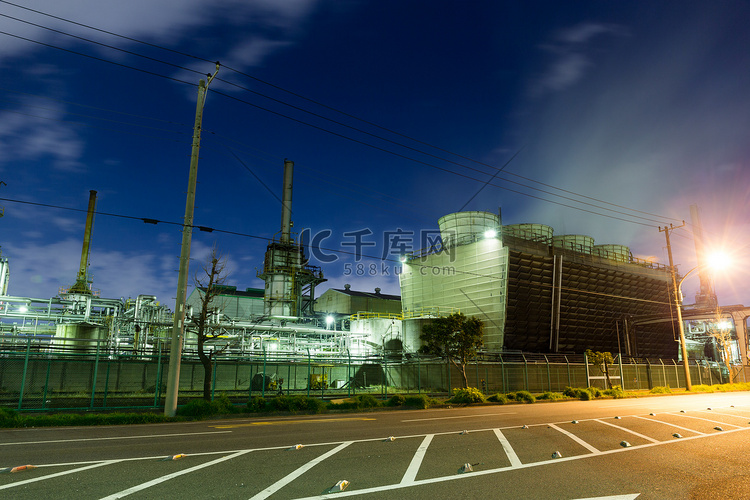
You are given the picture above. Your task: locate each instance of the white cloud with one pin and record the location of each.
(35, 131)
(570, 56)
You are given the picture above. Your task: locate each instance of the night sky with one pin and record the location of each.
(607, 119)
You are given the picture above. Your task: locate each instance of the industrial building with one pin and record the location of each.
(535, 291)
(540, 292)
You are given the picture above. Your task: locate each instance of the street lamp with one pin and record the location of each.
(717, 261)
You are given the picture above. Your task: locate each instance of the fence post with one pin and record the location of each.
(263, 390)
(663, 372)
(213, 379)
(96, 372)
(525, 372)
(479, 386)
(502, 374)
(448, 365)
(25, 369)
(549, 378)
(567, 367)
(157, 387)
(385, 376)
(586, 363)
(308, 373)
(46, 383)
(622, 375)
(419, 376)
(710, 375)
(349, 374)
(106, 383)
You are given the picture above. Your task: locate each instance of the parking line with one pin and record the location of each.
(707, 420)
(514, 460)
(459, 416)
(575, 438)
(416, 461)
(160, 480)
(671, 425)
(297, 473)
(145, 436)
(57, 474)
(628, 430)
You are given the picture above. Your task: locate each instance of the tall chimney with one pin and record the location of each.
(706, 296)
(286, 202)
(81, 285)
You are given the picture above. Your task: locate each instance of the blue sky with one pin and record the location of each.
(622, 115)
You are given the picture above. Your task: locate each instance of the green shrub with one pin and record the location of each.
(498, 398)
(525, 397)
(511, 396)
(358, 402)
(467, 396)
(585, 394)
(595, 391)
(552, 396)
(8, 418)
(419, 401)
(660, 389)
(200, 408)
(616, 392)
(396, 400)
(570, 392)
(256, 404)
(703, 388)
(294, 404)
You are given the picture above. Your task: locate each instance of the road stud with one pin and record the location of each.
(625, 444)
(174, 457)
(465, 468)
(677, 435)
(574, 422)
(18, 468)
(557, 454)
(618, 418)
(340, 486)
(525, 426)
(464, 432)
(718, 428)
(652, 414)
(390, 438)
(296, 447)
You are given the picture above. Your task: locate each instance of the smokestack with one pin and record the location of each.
(286, 202)
(81, 284)
(706, 296)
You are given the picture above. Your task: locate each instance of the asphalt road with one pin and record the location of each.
(511, 452)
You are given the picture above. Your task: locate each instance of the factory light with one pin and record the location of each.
(23, 309)
(329, 319)
(402, 258)
(490, 233)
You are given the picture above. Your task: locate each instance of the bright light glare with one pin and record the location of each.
(719, 260)
(329, 319)
(403, 258)
(23, 309)
(490, 233)
(725, 325)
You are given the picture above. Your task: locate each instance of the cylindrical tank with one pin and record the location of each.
(619, 253)
(379, 331)
(464, 225)
(576, 242)
(532, 232)
(412, 328)
(79, 335)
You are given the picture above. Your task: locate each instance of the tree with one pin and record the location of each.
(602, 360)
(720, 330)
(209, 287)
(455, 337)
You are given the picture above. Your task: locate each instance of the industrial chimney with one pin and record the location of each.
(82, 284)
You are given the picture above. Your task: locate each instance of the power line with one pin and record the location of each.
(364, 132)
(344, 252)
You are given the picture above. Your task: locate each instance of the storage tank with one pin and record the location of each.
(466, 226)
(619, 253)
(532, 232)
(576, 242)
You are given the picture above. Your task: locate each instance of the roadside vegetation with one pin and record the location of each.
(222, 406)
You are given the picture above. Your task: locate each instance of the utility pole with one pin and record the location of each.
(678, 305)
(178, 327)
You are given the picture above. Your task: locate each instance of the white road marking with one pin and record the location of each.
(627, 430)
(707, 420)
(416, 461)
(162, 479)
(297, 473)
(463, 416)
(57, 474)
(614, 497)
(671, 425)
(514, 460)
(150, 436)
(576, 439)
